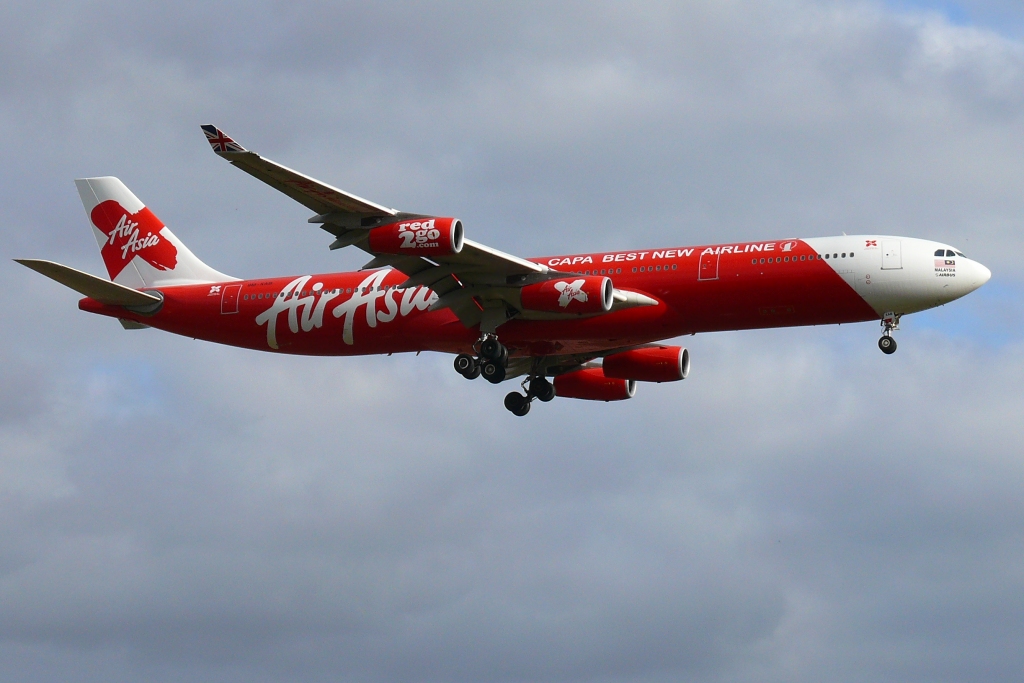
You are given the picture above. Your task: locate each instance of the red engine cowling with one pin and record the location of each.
(582, 295)
(592, 385)
(656, 364)
(420, 237)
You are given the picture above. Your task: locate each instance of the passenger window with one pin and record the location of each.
(634, 269)
(657, 268)
(753, 260)
(844, 254)
(826, 255)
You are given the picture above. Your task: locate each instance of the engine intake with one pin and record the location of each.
(655, 364)
(586, 294)
(592, 385)
(420, 237)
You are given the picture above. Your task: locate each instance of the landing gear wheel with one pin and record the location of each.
(474, 372)
(492, 372)
(517, 404)
(542, 389)
(464, 363)
(887, 344)
(492, 349)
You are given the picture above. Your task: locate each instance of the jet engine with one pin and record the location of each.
(591, 384)
(654, 364)
(420, 237)
(586, 294)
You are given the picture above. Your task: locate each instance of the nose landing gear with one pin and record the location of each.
(890, 322)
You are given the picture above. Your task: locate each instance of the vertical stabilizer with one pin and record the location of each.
(137, 248)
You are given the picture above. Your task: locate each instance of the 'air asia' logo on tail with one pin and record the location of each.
(130, 235)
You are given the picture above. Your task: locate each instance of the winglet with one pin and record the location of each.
(221, 142)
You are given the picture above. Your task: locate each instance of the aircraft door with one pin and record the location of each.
(892, 257)
(229, 299)
(708, 267)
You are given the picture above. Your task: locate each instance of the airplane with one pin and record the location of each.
(585, 326)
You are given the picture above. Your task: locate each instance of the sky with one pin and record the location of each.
(801, 508)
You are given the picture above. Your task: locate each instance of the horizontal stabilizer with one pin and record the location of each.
(97, 288)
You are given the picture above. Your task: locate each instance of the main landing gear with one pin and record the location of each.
(490, 363)
(534, 387)
(890, 322)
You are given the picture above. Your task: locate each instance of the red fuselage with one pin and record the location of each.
(698, 289)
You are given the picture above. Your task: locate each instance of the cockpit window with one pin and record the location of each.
(959, 254)
(940, 252)
(949, 252)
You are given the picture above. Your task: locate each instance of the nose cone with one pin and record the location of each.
(979, 275)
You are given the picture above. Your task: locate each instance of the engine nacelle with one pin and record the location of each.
(592, 385)
(420, 237)
(582, 295)
(656, 364)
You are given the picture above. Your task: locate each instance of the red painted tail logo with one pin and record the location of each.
(130, 235)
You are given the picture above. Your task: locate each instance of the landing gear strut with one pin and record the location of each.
(890, 322)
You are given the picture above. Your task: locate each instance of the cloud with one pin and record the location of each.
(801, 507)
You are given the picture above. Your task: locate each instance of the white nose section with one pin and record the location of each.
(979, 275)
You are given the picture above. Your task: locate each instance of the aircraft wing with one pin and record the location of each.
(479, 284)
(319, 197)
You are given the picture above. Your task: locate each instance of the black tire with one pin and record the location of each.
(464, 363)
(542, 389)
(888, 345)
(514, 401)
(474, 372)
(492, 349)
(517, 404)
(503, 359)
(492, 372)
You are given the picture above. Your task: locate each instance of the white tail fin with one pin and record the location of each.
(138, 250)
